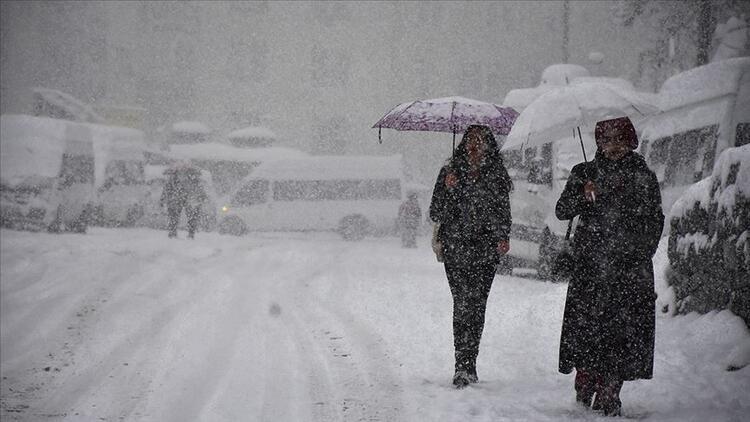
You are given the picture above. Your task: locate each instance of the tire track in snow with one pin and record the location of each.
(363, 385)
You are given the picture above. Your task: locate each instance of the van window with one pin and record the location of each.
(253, 193)
(657, 158)
(690, 153)
(342, 190)
(742, 137)
(76, 169)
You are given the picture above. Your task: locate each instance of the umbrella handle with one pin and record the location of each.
(380, 137)
(453, 151)
(581, 139)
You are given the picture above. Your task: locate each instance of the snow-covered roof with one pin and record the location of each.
(190, 127)
(704, 82)
(78, 109)
(217, 151)
(331, 167)
(562, 74)
(252, 132)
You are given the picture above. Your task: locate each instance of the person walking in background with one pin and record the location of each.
(609, 319)
(471, 203)
(409, 216)
(183, 190)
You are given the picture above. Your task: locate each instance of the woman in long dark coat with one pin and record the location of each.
(471, 203)
(609, 321)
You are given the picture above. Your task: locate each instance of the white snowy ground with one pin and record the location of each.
(129, 325)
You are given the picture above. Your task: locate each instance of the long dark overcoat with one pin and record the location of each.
(474, 215)
(609, 320)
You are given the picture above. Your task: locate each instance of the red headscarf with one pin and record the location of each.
(619, 127)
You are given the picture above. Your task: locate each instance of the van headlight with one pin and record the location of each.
(225, 208)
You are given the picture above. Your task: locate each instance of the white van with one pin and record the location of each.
(353, 195)
(46, 174)
(705, 111)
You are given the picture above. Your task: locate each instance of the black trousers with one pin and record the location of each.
(191, 212)
(470, 287)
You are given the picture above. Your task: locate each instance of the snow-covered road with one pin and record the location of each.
(129, 325)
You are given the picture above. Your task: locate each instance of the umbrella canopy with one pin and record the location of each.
(557, 113)
(449, 114)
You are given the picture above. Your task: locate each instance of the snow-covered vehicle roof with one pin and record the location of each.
(704, 82)
(252, 132)
(331, 167)
(190, 127)
(76, 108)
(223, 152)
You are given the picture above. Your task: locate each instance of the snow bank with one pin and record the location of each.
(562, 74)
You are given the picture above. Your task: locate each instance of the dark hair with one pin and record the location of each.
(493, 159)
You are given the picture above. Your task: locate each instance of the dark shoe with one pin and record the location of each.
(461, 379)
(585, 385)
(611, 408)
(584, 398)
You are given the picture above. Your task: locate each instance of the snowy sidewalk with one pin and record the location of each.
(129, 325)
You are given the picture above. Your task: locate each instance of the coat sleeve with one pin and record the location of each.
(572, 202)
(439, 200)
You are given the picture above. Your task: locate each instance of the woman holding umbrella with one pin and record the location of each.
(471, 203)
(609, 320)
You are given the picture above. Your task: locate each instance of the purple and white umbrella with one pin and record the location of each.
(449, 114)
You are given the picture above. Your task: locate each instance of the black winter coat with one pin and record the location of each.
(474, 215)
(609, 320)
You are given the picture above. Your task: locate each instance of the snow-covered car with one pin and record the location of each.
(46, 174)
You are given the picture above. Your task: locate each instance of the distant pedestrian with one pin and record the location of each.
(183, 190)
(609, 320)
(409, 217)
(471, 203)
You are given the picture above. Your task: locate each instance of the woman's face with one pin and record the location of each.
(475, 146)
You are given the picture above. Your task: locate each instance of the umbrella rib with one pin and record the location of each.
(404, 110)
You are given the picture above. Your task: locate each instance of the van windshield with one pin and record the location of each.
(253, 192)
(336, 190)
